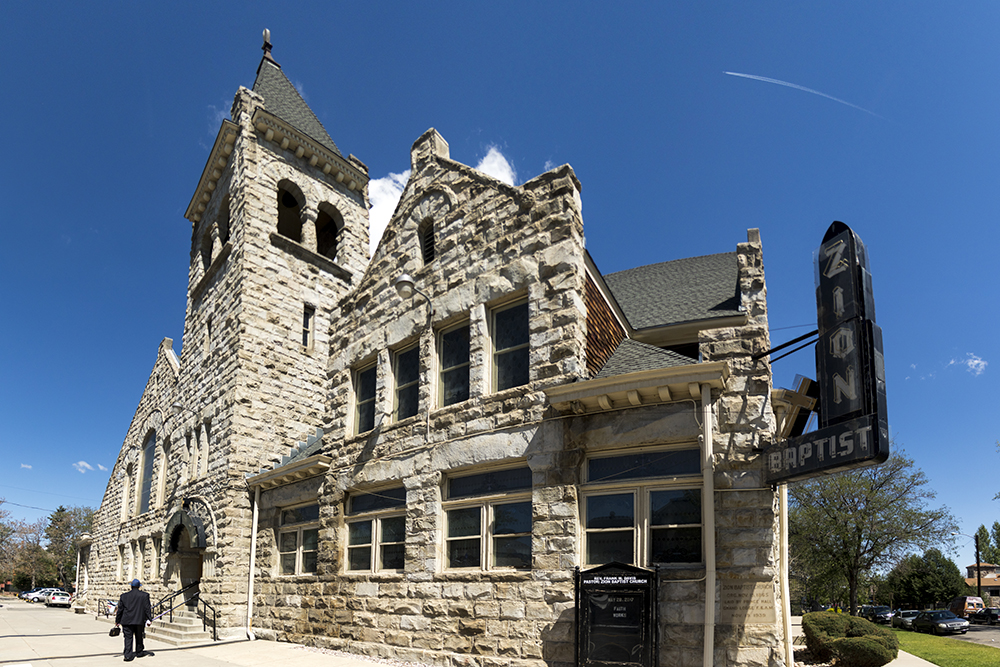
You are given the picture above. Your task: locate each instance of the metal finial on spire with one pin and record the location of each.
(267, 47)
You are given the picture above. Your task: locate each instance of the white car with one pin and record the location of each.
(40, 595)
(58, 599)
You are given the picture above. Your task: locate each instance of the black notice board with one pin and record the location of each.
(616, 616)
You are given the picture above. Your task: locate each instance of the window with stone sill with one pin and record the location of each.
(488, 520)
(364, 395)
(308, 326)
(298, 540)
(406, 369)
(643, 508)
(510, 345)
(453, 352)
(376, 530)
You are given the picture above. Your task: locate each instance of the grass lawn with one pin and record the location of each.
(946, 651)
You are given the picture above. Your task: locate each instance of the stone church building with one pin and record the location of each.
(410, 454)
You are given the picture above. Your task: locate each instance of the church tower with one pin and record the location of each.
(279, 234)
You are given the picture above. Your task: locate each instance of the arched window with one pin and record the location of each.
(426, 234)
(206, 249)
(329, 225)
(146, 485)
(223, 221)
(289, 215)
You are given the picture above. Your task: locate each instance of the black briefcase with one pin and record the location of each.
(114, 632)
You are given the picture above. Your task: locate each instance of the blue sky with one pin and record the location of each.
(109, 110)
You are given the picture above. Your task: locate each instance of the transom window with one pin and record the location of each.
(643, 508)
(298, 540)
(407, 371)
(454, 351)
(376, 531)
(510, 346)
(364, 387)
(489, 520)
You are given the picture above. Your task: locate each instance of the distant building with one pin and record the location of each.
(340, 459)
(989, 579)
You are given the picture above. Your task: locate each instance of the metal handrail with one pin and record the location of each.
(171, 596)
(201, 612)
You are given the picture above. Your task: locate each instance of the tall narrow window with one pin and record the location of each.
(376, 530)
(426, 234)
(208, 337)
(510, 346)
(308, 317)
(454, 354)
(148, 452)
(407, 371)
(364, 387)
(289, 216)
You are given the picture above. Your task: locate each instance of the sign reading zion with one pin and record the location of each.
(850, 370)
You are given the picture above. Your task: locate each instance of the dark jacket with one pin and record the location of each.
(134, 608)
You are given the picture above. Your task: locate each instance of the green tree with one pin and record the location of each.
(861, 520)
(62, 533)
(987, 549)
(33, 563)
(926, 581)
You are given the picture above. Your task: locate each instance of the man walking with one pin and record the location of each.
(134, 611)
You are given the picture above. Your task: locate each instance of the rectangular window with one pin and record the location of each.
(146, 486)
(298, 540)
(376, 530)
(364, 387)
(454, 354)
(489, 520)
(407, 371)
(308, 323)
(655, 521)
(510, 346)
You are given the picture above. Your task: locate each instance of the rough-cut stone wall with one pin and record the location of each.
(604, 333)
(746, 508)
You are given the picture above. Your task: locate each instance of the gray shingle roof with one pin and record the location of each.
(682, 290)
(632, 356)
(281, 99)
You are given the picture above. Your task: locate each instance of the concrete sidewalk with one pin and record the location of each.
(32, 634)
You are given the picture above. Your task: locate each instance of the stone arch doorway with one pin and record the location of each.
(185, 536)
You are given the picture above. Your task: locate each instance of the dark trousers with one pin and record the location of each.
(128, 631)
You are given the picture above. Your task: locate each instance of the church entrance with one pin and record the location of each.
(185, 554)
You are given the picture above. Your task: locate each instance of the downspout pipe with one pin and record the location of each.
(708, 501)
(785, 594)
(253, 563)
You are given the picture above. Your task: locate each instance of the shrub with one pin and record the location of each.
(854, 641)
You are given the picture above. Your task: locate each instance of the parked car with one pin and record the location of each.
(24, 594)
(989, 616)
(58, 599)
(939, 622)
(879, 614)
(40, 594)
(903, 618)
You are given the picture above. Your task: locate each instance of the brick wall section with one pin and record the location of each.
(604, 333)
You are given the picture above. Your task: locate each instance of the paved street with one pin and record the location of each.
(35, 635)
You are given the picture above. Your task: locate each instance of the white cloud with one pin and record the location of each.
(972, 362)
(497, 166)
(25, 465)
(100, 467)
(83, 466)
(384, 194)
(549, 165)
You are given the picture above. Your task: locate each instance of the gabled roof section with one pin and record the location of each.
(283, 100)
(682, 290)
(633, 356)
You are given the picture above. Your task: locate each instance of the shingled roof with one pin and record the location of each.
(283, 100)
(633, 356)
(682, 290)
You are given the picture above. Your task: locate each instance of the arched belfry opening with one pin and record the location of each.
(290, 202)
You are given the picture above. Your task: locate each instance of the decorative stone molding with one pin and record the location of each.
(217, 160)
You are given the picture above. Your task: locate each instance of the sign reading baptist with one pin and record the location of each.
(850, 370)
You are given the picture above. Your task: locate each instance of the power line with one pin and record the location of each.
(7, 502)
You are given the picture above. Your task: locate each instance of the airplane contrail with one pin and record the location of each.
(802, 88)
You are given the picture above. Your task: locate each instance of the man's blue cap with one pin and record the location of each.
(135, 583)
